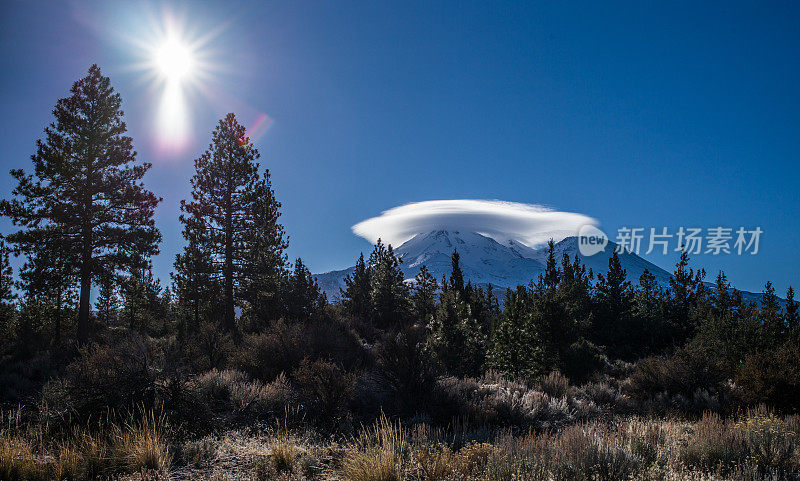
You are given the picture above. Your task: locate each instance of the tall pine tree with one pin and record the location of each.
(424, 296)
(7, 295)
(356, 294)
(236, 209)
(389, 293)
(196, 287)
(86, 184)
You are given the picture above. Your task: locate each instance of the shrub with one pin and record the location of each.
(208, 348)
(773, 442)
(684, 372)
(713, 446)
(406, 370)
(283, 453)
(281, 348)
(603, 394)
(199, 451)
(324, 389)
(116, 377)
(581, 452)
(555, 384)
(232, 390)
(772, 377)
(434, 463)
(582, 359)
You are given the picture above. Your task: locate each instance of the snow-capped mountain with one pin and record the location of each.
(485, 261)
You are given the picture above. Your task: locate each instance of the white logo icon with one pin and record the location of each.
(591, 240)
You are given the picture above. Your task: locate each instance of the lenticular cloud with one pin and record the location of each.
(529, 224)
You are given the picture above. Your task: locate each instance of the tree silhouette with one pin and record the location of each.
(86, 188)
(234, 206)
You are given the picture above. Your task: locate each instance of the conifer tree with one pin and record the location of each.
(424, 295)
(143, 304)
(685, 291)
(649, 312)
(551, 274)
(107, 303)
(457, 336)
(515, 347)
(389, 295)
(356, 295)
(7, 295)
(304, 299)
(197, 289)
(574, 294)
(86, 183)
(614, 321)
(265, 266)
(456, 276)
(233, 205)
(770, 314)
(791, 312)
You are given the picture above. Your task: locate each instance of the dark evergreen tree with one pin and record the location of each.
(143, 309)
(649, 313)
(551, 275)
(303, 297)
(515, 347)
(686, 291)
(265, 265)
(107, 304)
(615, 327)
(455, 337)
(7, 294)
(424, 295)
(197, 288)
(48, 275)
(771, 318)
(791, 313)
(356, 295)
(575, 294)
(87, 186)
(456, 276)
(234, 207)
(389, 294)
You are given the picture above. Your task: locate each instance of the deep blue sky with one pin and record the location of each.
(637, 113)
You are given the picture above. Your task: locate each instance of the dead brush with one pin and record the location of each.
(433, 463)
(772, 441)
(713, 446)
(555, 384)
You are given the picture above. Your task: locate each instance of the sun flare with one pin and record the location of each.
(174, 60)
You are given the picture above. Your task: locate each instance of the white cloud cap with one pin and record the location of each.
(529, 224)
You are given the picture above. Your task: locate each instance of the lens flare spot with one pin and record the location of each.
(173, 122)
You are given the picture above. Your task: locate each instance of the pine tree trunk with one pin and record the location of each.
(57, 327)
(86, 289)
(230, 316)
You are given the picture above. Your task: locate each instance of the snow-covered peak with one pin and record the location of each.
(485, 261)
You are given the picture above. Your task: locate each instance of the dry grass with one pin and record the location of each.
(377, 455)
(759, 445)
(141, 444)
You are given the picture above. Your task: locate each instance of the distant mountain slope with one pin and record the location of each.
(486, 262)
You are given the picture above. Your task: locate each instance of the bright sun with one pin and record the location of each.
(174, 60)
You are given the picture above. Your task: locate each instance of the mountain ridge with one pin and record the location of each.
(485, 261)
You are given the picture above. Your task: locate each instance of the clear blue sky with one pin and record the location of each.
(635, 113)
